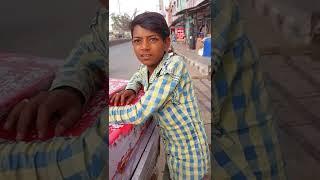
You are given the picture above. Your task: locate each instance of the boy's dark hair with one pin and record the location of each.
(152, 21)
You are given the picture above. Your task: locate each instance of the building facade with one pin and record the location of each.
(193, 17)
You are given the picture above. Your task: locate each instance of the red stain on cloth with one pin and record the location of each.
(123, 129)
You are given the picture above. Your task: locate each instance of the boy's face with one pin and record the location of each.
(148, 46)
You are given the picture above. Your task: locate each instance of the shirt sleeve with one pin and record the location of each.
(135, 82)
(159, 91)
(85, 67)
(224, 13)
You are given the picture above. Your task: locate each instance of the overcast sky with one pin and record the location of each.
(129, 6)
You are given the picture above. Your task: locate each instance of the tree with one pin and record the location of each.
(121, 22)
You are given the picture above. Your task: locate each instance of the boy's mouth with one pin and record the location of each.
(145, 56)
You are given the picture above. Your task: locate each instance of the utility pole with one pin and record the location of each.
(134, 13)
(161, 8)
(161, 5)
(119, 6)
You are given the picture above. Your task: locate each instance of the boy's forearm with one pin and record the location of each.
(153, 99)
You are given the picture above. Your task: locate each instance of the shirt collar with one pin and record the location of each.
(158, 68)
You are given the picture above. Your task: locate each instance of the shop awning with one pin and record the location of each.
(179, 19)
(202, 5)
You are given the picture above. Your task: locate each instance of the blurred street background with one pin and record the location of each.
(44, 28)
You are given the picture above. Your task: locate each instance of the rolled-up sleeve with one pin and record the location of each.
(135, 82)
(85, 67)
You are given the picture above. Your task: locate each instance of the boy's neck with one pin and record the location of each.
(151, 69)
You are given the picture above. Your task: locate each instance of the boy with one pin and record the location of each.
(83, 157)
(169, 98)
(244, 134)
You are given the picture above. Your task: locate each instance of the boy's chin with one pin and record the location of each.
(148, 63)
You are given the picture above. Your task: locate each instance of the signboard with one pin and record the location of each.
(180, 33)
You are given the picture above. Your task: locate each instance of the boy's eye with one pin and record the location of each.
(153, 40)
(136, 41)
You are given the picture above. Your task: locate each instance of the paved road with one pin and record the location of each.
(44, 28)
(122, 61)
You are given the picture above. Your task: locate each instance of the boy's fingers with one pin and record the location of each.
(116, 99)
(28, 114)
(43, 118)
(130, 99)
(122, 99)
(112, 98)
(15, 114)
(67, 121)
(45, 113)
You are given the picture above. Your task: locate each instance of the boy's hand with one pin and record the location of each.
(123, 97)
(60, 104)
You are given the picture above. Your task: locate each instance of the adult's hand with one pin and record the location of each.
(63, 105)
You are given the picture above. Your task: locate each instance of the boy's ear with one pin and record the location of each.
(167, 42)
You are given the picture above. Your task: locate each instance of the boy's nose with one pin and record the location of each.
(145, 44)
